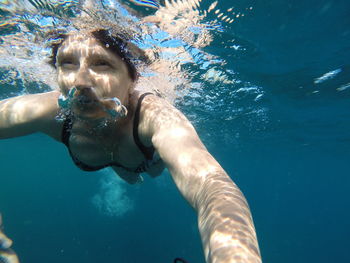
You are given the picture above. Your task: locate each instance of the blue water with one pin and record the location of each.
(291, 161)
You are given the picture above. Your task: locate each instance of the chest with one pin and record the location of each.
(106, 145)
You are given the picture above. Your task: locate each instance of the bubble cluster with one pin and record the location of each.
(111, 199)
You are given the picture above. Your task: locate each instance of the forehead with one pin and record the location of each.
(83, 46)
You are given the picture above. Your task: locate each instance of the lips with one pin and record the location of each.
(85, 100)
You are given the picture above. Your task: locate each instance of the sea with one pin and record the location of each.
(270, 98)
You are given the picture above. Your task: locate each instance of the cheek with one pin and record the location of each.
(64, 81)
(122, 80)
(111, 83)
(65, 78)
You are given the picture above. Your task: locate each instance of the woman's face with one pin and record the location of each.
(95, 72)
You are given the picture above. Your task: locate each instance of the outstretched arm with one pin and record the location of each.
(27, 114)
(224, 219)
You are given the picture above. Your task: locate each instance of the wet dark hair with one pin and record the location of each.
(113, 43)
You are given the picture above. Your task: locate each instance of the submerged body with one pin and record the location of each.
(90, 70)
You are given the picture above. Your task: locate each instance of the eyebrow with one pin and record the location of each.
(63, 55)
(93, 56)
(106, 57)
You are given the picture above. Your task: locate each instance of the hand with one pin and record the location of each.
(6, 253)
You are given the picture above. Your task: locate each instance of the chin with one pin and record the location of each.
(88, 112)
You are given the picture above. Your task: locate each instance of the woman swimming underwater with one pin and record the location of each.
(105, 122)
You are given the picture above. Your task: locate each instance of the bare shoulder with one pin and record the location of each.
(157, 116)
(158, 113)
(166, 127)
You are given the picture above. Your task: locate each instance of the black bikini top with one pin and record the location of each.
(148, 152)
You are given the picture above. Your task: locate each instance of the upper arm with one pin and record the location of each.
(179, 146)
(27, 114)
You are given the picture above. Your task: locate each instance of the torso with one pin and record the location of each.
(96, 145)
(99, 146)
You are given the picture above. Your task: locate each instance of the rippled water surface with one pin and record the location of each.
(266, 84)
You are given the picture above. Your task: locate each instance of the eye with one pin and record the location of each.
(102, 65)
(67, 64)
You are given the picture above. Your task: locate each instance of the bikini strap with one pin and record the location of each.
(147, 151)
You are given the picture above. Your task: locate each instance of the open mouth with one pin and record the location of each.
(86, 96)
(84, 100)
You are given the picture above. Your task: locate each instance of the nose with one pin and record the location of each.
(83, 78)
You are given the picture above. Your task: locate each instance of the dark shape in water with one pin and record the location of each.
(176, 260)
